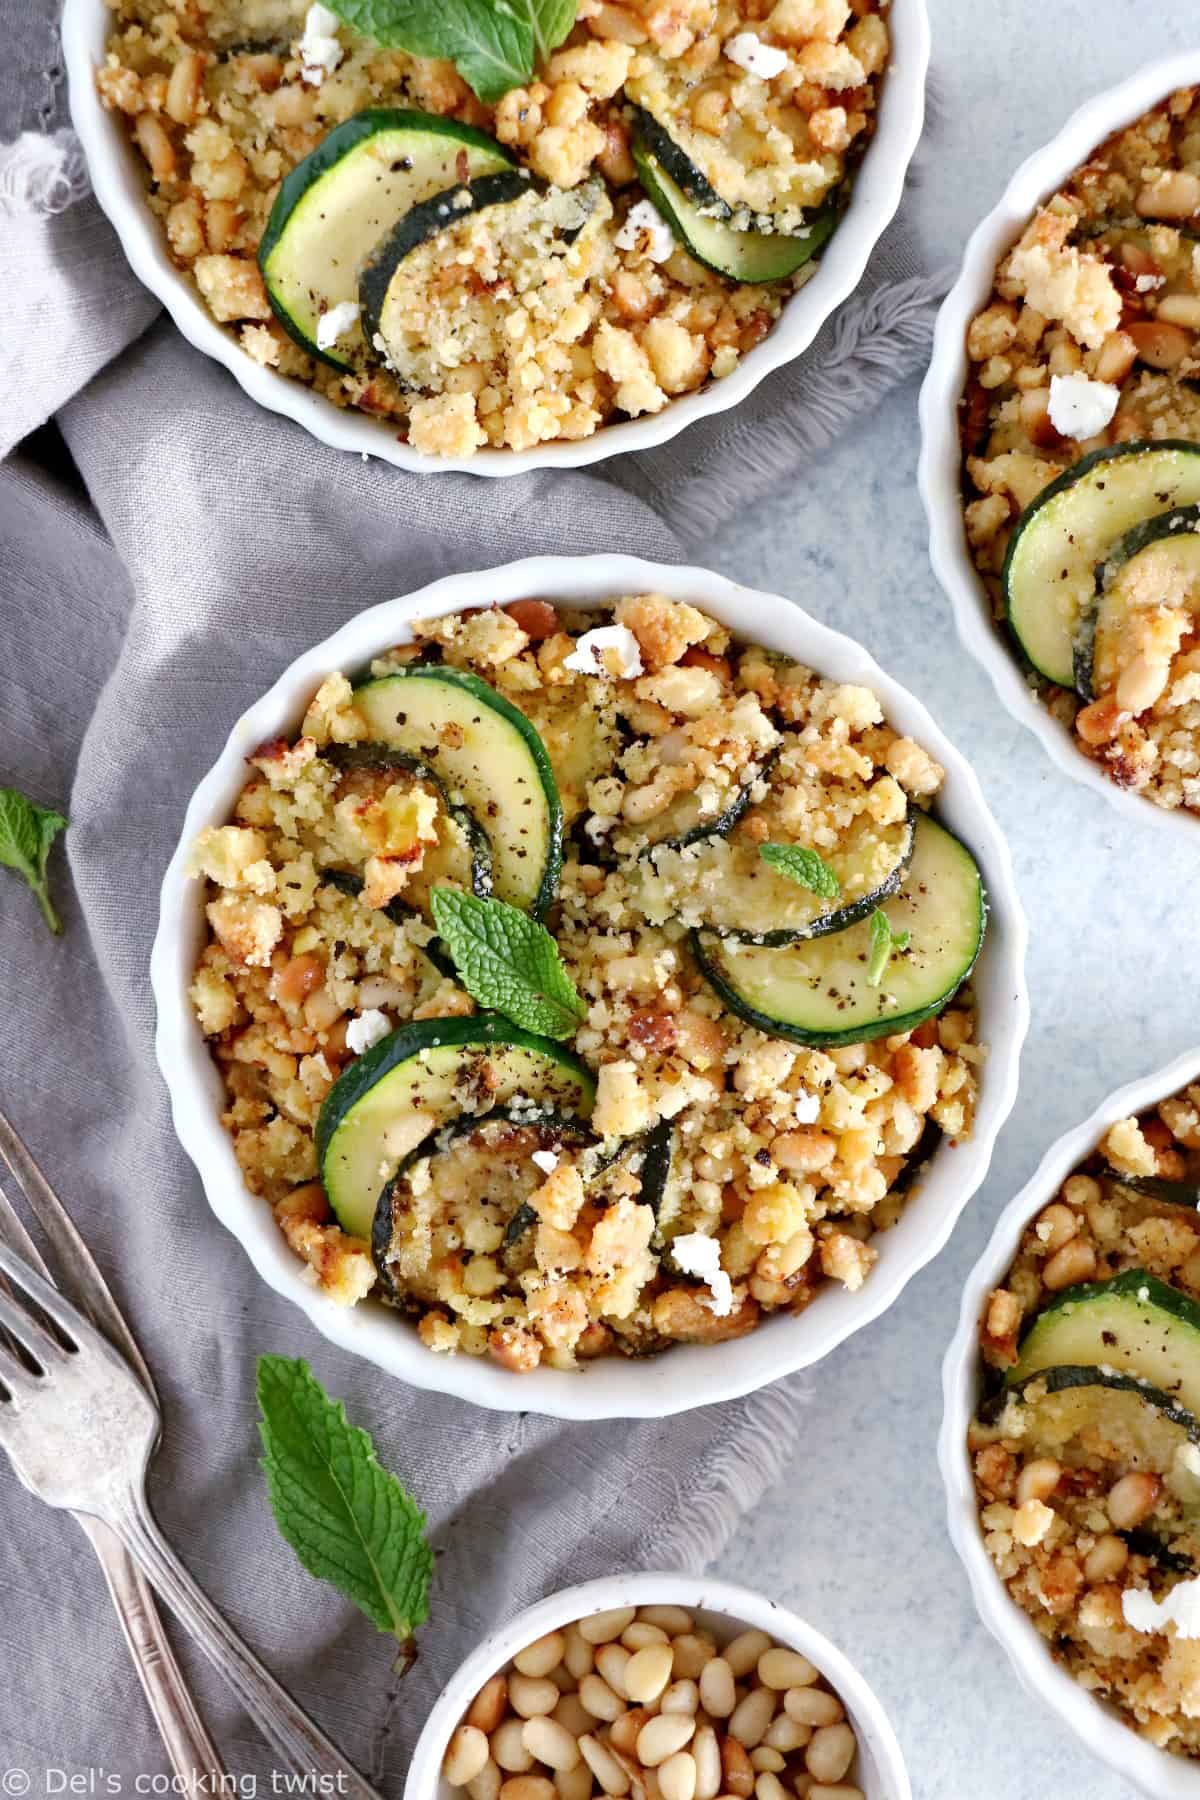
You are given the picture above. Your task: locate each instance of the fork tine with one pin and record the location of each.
(75, 1259)
(48, 1298)
(19, 1239)
(16, 1378)
(26, 1332)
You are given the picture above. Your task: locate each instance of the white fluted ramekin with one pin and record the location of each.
(940, 467)
(686, 1375)
(119, 184)
(1155, 1772)
(717, 1606)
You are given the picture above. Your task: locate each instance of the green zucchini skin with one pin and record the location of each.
(1182, 522)
(1157, 1187)
(695, 187)
(1062, 1378)
(533, 895)
(419, 129)
(1134, 1324)
(383, 756)
(724, 823)
(398, 911)
(426, 220)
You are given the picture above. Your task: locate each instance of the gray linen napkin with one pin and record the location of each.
(214, 543)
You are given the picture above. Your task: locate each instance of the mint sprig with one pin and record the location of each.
(494, 44)
(804, 866)
(349, 1521)
(27, 831)
(507, 961)
(883, 941)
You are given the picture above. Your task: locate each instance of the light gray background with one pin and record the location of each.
(854, 1537)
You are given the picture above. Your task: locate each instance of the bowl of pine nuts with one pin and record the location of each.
(657, 1687)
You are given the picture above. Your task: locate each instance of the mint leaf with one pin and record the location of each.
(347, 1519)
(508, 961)
(883, 941)
(804, 866)
(549, 20)
(26, 833)
(490, 42)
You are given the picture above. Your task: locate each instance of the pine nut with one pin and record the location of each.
(765, 1761)
(563, 1679)
(574, 1784)
(1106, 1558)
(550, 1743)
(486, 1785)
(671, 1619)
(812, 1706)
(612, 1660)
(604, 1627)
(542, 1656)
(1038, 1479)
(743, 1653)
(530, 1696)
(769, 1787)
(707, 1755)
(787, 1734)
(638, 1635)
(604, 1766)
(717, 1693)
(624, 1733)
(599, 1699)
(735, 1766)
(1056, 1226)
(831, 1752)
(1132, 1499)
(573, 1715)
(578, 1655)
(751, 1716)
(784, 1669)
(528, 1787)
(489, 1705)
(677, 1777)
(466, 1756)
(680, 1697)
(1075, 1262)
(647, 1673)
(692, 1649)
(662, 1736)
(508, 1748)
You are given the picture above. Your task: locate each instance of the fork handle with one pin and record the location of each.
(303, 1747)
(194, 1756)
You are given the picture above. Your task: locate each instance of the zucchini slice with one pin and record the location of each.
(1157, 1187)
(816, 992)
(744, 256)
(1157, 563)
(462, 855)
(427, 1072)
(1074, 525)
(491, 761)
(1133, 1324)
(465, 1189)
(648, 1155)
(741, 896)
(336, 205)
(1074, 1409)
(429, 281)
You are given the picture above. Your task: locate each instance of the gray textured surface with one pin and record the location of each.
(854, 1536)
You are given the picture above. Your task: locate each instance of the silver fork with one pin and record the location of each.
(194, 1756)
(79, 1429)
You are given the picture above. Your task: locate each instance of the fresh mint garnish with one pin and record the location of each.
(883, 941)
(507, 961)
(804, 866)
(26, 834)
(494, 44)
(349, 1521)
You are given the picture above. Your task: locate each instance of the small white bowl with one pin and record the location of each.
(718, 1606)
(117, 175)
(940, 466)
(1155, 1772)
(686, 1375)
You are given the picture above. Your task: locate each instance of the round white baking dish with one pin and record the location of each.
(119, 185)
(687, 1375)
(1155, 1772)
(939, 469)
(716, 1605)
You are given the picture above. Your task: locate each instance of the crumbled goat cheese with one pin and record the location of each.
(749, 52)
(545, 1160)
(1181, 1607)
(367, 1029)
(336, 323)
(320, 51)
(1146, 283)
(698, 1255)
(808, 1107)
(1080, 407)
(645, 221)
(588, 656)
